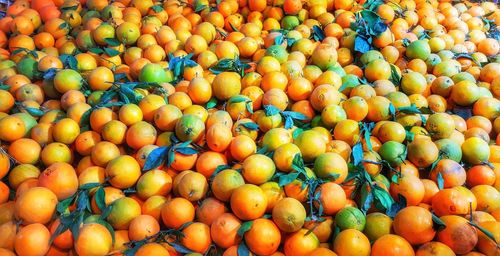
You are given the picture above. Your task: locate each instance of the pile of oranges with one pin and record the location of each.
(250, 127)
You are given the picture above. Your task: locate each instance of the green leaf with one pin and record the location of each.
(484, 231)
(395, 77)
(106, 211)
(250, 125)
(317, 33)
(34, 111)
(366, 202)
(233, 27)
(157, 8)
(99, 198)
(298, 164)
(108, 227)
(91, 185)
(357, 153)
(396, 206)
(392, 111)
(112, 41)
(186, 151)
(382, 196)
(111, 52)
(155, 158)
(61, 228)
(243, 249)
(438, 223)
(245, 226)
(69, 8)
(170, 157)
(62, 206)
(412, 109)
(271, 110)
(211, 103)
(249, 107)
(440, 181)
(96, 50)
(287, 178)
(410, 136)
(238, 99)
(220, 168)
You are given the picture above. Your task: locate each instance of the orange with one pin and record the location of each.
(301, 242)
(25, 151)
(143, 226)
(224, 184)
(209, 210)
(61, 179)
(458, 234)
(224, 230)
(124, 171)
(177, 212)
(93, 239)
(248, 202)
(414, 220)
(257, 169)
(289, 214)
(434, 248)
(40, 199)
(351, 241)
(124, 210)
(32, 239)
(196, 237)
(264, 237)
(391, 245)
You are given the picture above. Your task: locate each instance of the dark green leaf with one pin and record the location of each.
(88, 186)
(438, 223)
(155, 158)
(392, 110)
(298, 164)
(440, 180)
(61, 228)
(157, 8)
(170, 157)
(412, 109)
(233, 27)
(245, 226)
(243, 249)
(180, 249)
(463, 112)
(111, 52)
(99, 198)
(186, 151)
(357, 153)
(288, 122)
(484, 231)
(50, 73)
(34, 111)
(366, 202)
(250, 125)
(106, 211)
(220, 168)
(361, 44)
(379, 28)
(108, 227)
(96, 50)
(238, 98)
(249, 107)
(69, 8)
(64, 204)
(296, 132)
(394, 179)
(211, 103)
(271, 110)
(382, 196)
(75, 226)
(112, 41)
(318, 33)
(410, 136)
(288, 178)
(396, 206)
(395, 77)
